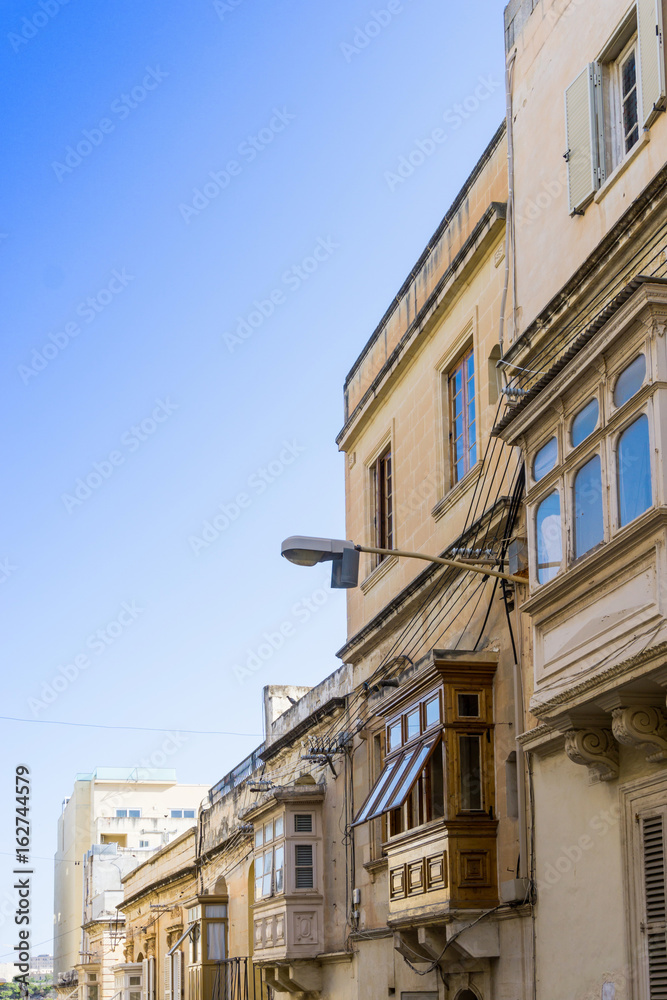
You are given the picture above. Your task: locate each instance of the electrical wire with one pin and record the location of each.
(137, 729)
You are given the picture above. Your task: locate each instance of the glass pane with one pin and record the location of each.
(549, 538)
(278, 880)
(468, 706)
(135, 980)
(397, 776)
(280, 857)
(219, 911)
(135, 996)
(413, 724)
(188, 814)
(258, 888)
(368, 810)
(194, 913)
(545, 459)
(177, 814)
(585, 422)
(215, 942)
(471, 783)
(394, 736)
(432, 711)
(634, 471)
(266, 885)
(279, 826)
(409, 775)
(588, 524)
(268, 862)
(630, 380)
(268, 832)
(259, 837)
(134, 813)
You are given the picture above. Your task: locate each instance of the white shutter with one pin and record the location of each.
(655, 902)
(144, 980)
(178, 974)
(651, 58)
(151, 978)
(167, 977)
(582, 139)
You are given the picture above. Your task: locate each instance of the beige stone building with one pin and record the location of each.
(587, 371)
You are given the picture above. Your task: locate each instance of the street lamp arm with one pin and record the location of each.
(454, 563)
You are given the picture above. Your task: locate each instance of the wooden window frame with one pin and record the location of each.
(382, 476)
(467, 397)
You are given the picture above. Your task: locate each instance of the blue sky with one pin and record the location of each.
(201, 223)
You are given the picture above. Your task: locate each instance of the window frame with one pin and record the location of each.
(268, 848)
(614, 152)
(382, 501)
(615, 478)
(468, 465)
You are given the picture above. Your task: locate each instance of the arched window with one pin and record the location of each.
(588, 518)
(549, 538)
(630, 380)
(633, 456)
(545, 459)
(585, 422)
(467, 995)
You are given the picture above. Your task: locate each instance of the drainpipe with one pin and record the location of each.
(509, 215)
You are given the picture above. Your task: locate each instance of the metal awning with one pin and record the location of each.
(181, 938)
(397, 780)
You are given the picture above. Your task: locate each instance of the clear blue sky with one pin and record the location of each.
(165, 168)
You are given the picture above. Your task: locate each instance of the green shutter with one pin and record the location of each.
(582, 139)
(651, 59)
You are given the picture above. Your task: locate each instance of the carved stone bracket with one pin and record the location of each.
(643, 727)
(596, 749)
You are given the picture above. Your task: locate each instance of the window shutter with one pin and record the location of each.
(144, 980)
(582, 139)
(167, 977)
(177, 974)
(653, 850)
(651, 58)
(151, 978)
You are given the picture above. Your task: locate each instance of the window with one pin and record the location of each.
(144, 843)
(177, 814)
(303, 823)
(121, 813)
(215, 941)
(462, 416)
(630, 380)
(549, 539)
(613, 100)
(454, 745)
(303, 866)
(634, 471)
(655, 895)
(584, 422)
(383, 503)
(188, 814)
(394, 736)
(588, 522)
(470, 772)
(269, 864)
(545, 460)
(412, 726)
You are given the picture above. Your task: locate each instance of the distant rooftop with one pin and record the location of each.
(163, 774)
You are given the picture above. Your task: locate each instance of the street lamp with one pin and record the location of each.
(344, 556)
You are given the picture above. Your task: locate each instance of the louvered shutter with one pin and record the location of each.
(178, 975)
(151, 978)
(655, 901)
(167, 977)
(144, 980)
(582, 139)
(651, 58)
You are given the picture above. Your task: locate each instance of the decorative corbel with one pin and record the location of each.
(643, 727)
(596, 748)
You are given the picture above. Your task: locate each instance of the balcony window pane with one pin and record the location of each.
(433, 711)
(135, 980)
(215, 942)
(545, 460)
(259, 836)
(219, 911)
(413, 724)
(471, 778)
(585, 422)
(394, 736)
(630, 380)
(258, 887)
(468, 706)
(278, 869)
(279, 827)
(268, 833)
(588, 523)
(634, 471)
(549, 538)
